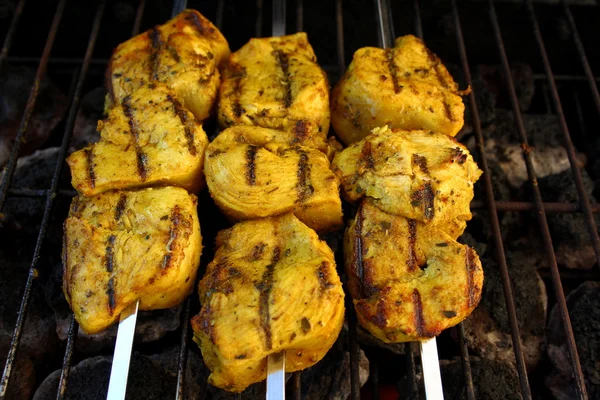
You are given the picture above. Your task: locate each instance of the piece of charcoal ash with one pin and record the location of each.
(487, 329)
(34, 172)
(91, 110)
(569, 231)
(492, 380)
(151, 325)
(50, 108)
(549, 156)
(584, 310)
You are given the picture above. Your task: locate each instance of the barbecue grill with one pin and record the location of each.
(72, 42)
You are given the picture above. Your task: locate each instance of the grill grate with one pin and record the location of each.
(385, 24)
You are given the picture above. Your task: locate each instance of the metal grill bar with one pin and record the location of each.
(138, 19)
(11, 31)
(541, 214)
(465, 360)
(491, 203)
(386, 25)
(66, 365)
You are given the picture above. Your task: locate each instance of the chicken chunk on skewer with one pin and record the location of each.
(184, 53)
(405, 87)
(253, 173)
(272, 286)
(149, 140)
(408, 280)
(420, 175)
(276, 83)
(121, 247)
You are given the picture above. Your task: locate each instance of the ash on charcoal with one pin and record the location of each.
(33, 172)
(91, 110)
(151, 325)
(50, 108)
(569, 231)
(503, 146)
(584, 310)
(487, 329)
(491, 380)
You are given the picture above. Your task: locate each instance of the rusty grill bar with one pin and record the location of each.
(385, 22)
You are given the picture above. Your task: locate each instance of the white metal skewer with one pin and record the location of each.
(276, 376)
(431, 370)
(117, 386)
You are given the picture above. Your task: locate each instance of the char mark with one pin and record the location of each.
(110, 243)
(323, 276)
(283, 61)
(110, 292)
(303, 186)
(186, 122)
(457, 156)
(359, 251)
(176, 221)
(367, 155)
(435, 64)
(421, 162)
(419, 320)
(251, 164)
(471, 268)
(89, 156)
(120, 207)
(257, 251)
(411, 262)
(142, 158)
(389, 53)
(156, 44)
(265, 286)
(425, 197)
(201, 28)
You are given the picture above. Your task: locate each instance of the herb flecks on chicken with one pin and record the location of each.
(408, 280)
(120, 247)
(272, 286)
(149, 139)
(405, 87)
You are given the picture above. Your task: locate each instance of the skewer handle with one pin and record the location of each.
(431, 370)
(276, 376)
(117, 386)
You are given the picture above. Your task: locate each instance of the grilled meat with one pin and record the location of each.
(276, 83)
(252, 173)
(408, 280)
(272, 286)
(404, 87)
(420, 175)
(150, 139)
(120, 247)
(183, 53)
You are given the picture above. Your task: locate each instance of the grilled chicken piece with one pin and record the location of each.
(151, 139)
(276, 83)
(408, 280)
(253, 173)
(404, 87)
(120, 247)
(420, 175)
(183, 53)
(272, 286)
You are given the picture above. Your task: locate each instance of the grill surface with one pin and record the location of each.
(327, 25)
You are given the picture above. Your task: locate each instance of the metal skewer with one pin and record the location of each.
(276, 361)
(117, 386)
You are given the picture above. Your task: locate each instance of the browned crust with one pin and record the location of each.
(419, 319)
(303, 186)
(142, 159)
(120, 207)
(367, 155)
(89, 157)
(389, 54)
(185, 121)
(155, 46)
(265, 286)
(283, 62)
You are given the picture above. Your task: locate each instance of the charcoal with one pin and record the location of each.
(151, 325)
(503, 145)
(487, 330)
(569, 231)
(522, 76)
(50, 108)
(91, 109)
(22, 383)
(584, 310)
(491, 380)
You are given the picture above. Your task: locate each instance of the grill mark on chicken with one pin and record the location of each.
(389, 54)
(89, 156)
(435, 63)
(358, 250)
(303, 186)
(200, 28)
(283, 62)
(471, 268)
(251, 164)
(419, 320)
(176, 220)
(110, 292)
(183, 117)
(421, 162)
(142, 159)
(411, 262)
(156, 44)
(265, 286)
(424, 197)
(323, 276)
(120, 207)
(110, 267)
(367, 155)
